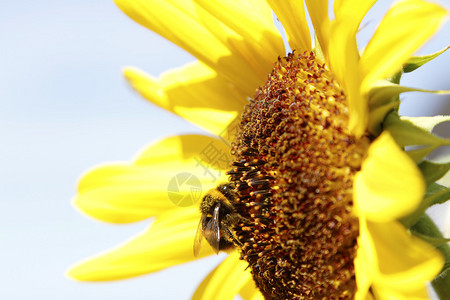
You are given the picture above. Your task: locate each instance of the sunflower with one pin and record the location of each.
(333, 184)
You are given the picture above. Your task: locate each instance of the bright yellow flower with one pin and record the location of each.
(236, 44)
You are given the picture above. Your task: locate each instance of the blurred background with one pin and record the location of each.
(65, 107)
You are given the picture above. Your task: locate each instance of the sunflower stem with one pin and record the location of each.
(426, 226)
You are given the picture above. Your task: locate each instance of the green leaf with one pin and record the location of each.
(383, 91)
(433, 171)
(378, 114)
(396, 77)
(414, 63)
(427, 123)
(441, 284)
(425, 226)
(435, 194)
(419, 154)
(417, 61)
(384, 97)
(434, 188)
(435, 241)
(406, 133)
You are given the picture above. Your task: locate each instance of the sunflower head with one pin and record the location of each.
(294, 169)
(328, 202)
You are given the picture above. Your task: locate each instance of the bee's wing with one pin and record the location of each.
(198, 237)
(213, 229)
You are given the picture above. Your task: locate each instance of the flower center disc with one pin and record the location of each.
(294, 169)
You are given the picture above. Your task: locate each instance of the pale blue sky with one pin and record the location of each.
(64, 107)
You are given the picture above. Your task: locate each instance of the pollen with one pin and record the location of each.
(293, 171)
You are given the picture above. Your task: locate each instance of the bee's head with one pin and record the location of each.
(228, 190)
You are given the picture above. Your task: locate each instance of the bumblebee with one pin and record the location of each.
(218, 219)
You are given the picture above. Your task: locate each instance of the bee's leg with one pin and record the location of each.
(234, 238)
(227, 226)
(236, 241)
(235, 219)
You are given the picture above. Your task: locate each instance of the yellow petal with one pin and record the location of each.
(405, 263)
(389, 294)
(225, 281)
(259, 41)
(406, 26)
(318, 11)
(250, 292)
(343, 57)
(208, 38)
(365, 262)
(343, 60)
(170, 173)
(344, 54)
(195, 92)
(352, 10)
(389, 184)
(291, 14)
(168, 242)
